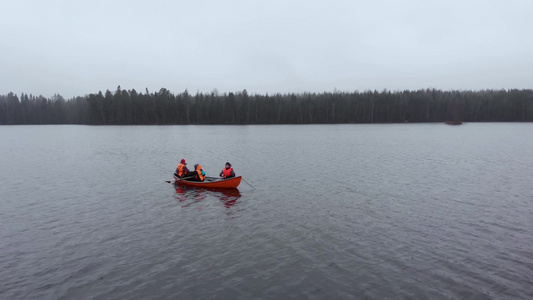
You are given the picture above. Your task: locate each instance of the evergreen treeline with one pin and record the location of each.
(163, 107)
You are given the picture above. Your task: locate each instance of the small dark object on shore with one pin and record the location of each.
(454, 122)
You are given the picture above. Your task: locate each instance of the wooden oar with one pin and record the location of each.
(248, 183)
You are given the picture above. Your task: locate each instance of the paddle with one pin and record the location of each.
(182, 178)
(248, 183)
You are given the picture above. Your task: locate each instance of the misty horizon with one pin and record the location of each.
(75, 48)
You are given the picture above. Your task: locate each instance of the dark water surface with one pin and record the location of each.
(424, 211)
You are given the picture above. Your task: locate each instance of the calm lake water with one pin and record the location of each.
(399, 211)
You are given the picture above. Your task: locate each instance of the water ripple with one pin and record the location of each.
(338, 212)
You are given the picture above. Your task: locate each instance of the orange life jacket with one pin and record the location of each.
(180, 170)
(226, 172)
(199, 173)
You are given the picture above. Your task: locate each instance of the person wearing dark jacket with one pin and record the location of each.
(227, 172)
(197, 175)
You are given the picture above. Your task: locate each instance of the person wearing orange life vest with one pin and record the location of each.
(198, 174)
(227, 172)
(182, 170)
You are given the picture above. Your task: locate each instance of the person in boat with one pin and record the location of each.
(197, 175)
(182, 170)
(227, 172)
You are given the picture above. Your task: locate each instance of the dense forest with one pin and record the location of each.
(124, 107)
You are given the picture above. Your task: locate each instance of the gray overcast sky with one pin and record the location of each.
(78, 47)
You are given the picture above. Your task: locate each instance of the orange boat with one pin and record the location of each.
(211, 182)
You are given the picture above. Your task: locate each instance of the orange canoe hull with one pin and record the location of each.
(211, 182)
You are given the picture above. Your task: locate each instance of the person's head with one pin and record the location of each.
(195, 166)
(228, 165)
(183, 161)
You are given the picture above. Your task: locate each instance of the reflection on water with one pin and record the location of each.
(188, 195)
(230, 196)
